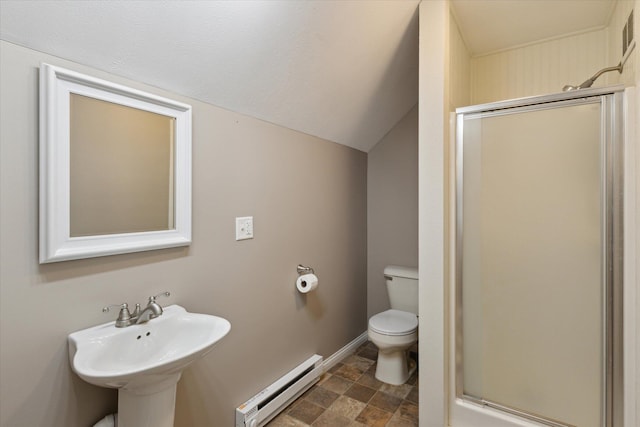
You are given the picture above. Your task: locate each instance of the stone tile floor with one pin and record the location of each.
(349, 395)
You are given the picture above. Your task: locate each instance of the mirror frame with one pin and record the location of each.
(56, 244)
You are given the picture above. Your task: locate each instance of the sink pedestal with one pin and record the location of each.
(150, 406)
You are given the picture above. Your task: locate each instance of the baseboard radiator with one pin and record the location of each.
(261, 408)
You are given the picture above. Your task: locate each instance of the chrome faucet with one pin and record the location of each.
(151, 311)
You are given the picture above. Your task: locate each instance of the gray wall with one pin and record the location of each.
(392, 207)
(241, 166)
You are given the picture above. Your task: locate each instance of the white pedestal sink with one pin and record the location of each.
(144, 362)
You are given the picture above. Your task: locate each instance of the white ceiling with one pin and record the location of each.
(343, 70)
(346, 71)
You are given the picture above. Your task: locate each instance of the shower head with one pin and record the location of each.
(587, 83)
(569, 87)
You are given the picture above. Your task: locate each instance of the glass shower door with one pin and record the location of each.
(533, 262)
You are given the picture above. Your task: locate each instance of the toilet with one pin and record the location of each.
(395, 330)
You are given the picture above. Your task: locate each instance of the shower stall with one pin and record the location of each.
(538, 271)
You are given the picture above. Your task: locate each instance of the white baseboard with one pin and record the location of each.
(345, 351)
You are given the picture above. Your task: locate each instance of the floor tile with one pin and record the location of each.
(369, 345)
(349, 395)
(361, 363)
(305, 394)
(413, 379)
(360, 392)
(372, 369)
(368, 353)
(397, 421)
(331, 419)
(349, 372)
(284, 420)
(400, 391)
(322, 397)
(413, 395)
(373, 417)
(409, 411)
(323, 378)
(368, 380)
(385, 401)
(337, 384)
(348, 407)
(334, 368)
(306, 412)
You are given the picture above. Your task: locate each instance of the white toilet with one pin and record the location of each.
(395, 330)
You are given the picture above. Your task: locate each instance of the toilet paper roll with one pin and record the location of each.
(307, 283)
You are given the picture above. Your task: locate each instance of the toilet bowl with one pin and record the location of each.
(395, 330)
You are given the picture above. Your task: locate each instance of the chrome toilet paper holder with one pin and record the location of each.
(304, 270)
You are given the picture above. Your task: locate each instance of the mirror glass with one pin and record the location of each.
(121, 173)
(115, 168)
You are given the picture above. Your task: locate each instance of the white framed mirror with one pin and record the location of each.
(115, 168)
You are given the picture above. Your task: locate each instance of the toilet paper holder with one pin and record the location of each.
(304, 270)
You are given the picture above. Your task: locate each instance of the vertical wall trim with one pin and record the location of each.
(432, 138)
(631, 233)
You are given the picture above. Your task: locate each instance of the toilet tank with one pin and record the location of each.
(402, 287)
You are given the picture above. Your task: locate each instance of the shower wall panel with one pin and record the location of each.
(540, 68)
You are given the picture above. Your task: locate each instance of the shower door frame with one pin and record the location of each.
(469, 410)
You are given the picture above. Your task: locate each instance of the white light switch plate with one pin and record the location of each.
(244, 228)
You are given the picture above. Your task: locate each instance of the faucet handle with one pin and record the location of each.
(136, 311)
(123, 306)
(124, 317)
(162, 294)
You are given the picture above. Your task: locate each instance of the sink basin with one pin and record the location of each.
(121, 357)
(146, 359)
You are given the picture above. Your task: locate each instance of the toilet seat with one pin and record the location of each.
(394, 323)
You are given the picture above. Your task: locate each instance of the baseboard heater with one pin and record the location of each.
(262, 407)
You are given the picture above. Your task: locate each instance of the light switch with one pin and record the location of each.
(244, 228)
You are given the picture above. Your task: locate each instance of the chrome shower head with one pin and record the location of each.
(587, 83)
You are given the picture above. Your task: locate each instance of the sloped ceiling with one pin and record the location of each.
(346, 71)
(343, 70)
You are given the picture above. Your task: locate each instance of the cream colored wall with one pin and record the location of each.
(433, 125)
(444, 85)
(538, 68)
(459, 68)
(308, 200)
(392, 207)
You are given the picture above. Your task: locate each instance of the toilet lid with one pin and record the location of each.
(394, 322)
